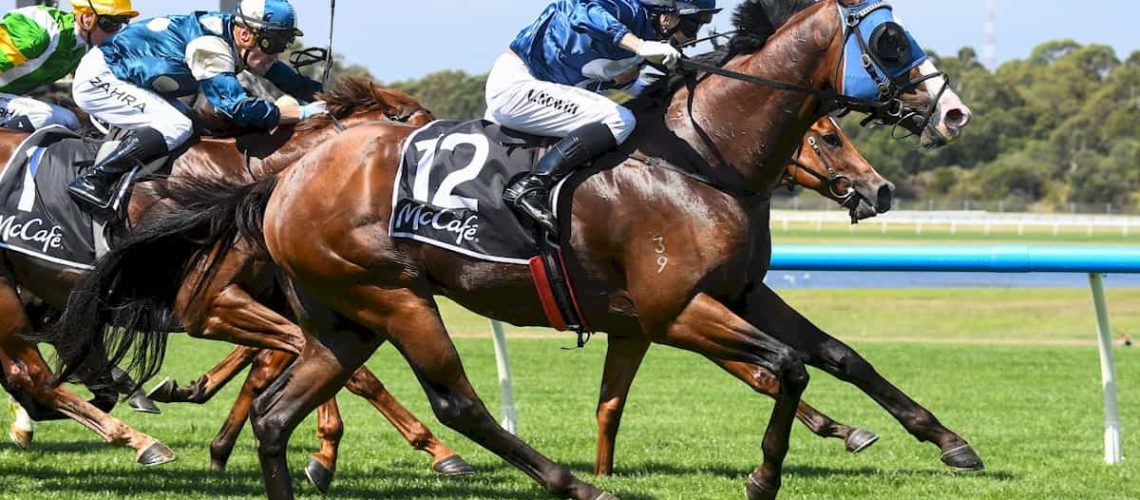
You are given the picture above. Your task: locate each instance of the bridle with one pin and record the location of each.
(887, 108)
(835, 181)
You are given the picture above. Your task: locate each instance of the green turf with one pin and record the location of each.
(1032, 411)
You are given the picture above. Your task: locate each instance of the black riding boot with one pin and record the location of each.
(93, 188)
(531, 194)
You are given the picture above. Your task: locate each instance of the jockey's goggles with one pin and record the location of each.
(690, 24)
(274, 42)
(111, 24)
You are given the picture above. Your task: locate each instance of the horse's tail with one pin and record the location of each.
(124, 308)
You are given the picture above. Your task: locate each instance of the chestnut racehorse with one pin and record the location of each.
(828, 163)
(241, 159)
(723, 142)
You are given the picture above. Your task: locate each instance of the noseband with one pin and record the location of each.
(831, 178)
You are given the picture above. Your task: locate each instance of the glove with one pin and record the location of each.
(660, 53)
(313, 109)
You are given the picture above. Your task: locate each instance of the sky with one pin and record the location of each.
(399, 40)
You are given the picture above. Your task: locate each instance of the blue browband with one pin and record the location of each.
(878, 51)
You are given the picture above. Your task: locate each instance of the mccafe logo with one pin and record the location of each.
(32, 231)
(414, 215)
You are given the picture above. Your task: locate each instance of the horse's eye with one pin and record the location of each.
(832, 140)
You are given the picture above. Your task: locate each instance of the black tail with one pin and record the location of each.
(124, 308)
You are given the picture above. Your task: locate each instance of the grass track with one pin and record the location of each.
(1033, 412)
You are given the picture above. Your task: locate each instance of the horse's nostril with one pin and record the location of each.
(956, 118)
(884, 199)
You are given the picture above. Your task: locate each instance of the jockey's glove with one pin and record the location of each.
(313, 109)
(660, 53)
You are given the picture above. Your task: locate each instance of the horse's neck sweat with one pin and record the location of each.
(752, 128)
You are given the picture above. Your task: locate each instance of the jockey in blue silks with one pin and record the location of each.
(548, 82)
(134, 78)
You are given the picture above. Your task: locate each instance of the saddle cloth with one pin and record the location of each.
(449, 190)
(37, 217)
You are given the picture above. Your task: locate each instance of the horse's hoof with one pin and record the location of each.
(453, 466)
(605, 495)
(142, 404)
(156, 454)
(217, 465)
(756, 491)
(22, 430)
(963, 459)
(164, 391)
(860, 439)
(21, 437)
(319, 476)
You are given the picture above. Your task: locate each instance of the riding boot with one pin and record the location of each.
(531, 194)
(94, 187)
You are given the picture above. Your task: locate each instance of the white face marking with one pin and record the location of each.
(948, 102)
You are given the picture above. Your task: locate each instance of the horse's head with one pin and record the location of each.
(829, 164)
(881, 70)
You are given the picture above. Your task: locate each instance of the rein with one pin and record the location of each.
(888, 108)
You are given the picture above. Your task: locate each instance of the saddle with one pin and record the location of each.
(449, 194)
(39, 218)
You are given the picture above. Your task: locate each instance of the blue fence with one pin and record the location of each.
(984, 259)
(1093, 261)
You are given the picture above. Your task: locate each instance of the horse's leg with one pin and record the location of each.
(322, 464)
(444, 461)
(27, 372)
(28, 377)
(412, 323)
(328, 358)
(267, 365)
(224, 310)
(768, 311)
(205, 387)
(136, 399)
(22, 430)
(708, 327)
(764, 382)
(623, 358)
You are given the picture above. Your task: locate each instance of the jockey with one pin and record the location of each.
(547, 83)
(133, 80)
(39, 45)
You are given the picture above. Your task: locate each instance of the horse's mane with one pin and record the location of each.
(754, 22)
(353, 94)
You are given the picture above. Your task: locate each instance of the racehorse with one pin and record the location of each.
(827, 163)
(243, 159)
(354, 287)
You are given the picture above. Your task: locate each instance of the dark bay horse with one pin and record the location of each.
(354, 287)
(241, 159)
(827, 163)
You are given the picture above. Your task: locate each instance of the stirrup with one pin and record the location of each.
(538, 212)
(89, 198)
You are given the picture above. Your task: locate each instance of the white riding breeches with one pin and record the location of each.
(101, 94)
(27, 114)
(521, 102)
